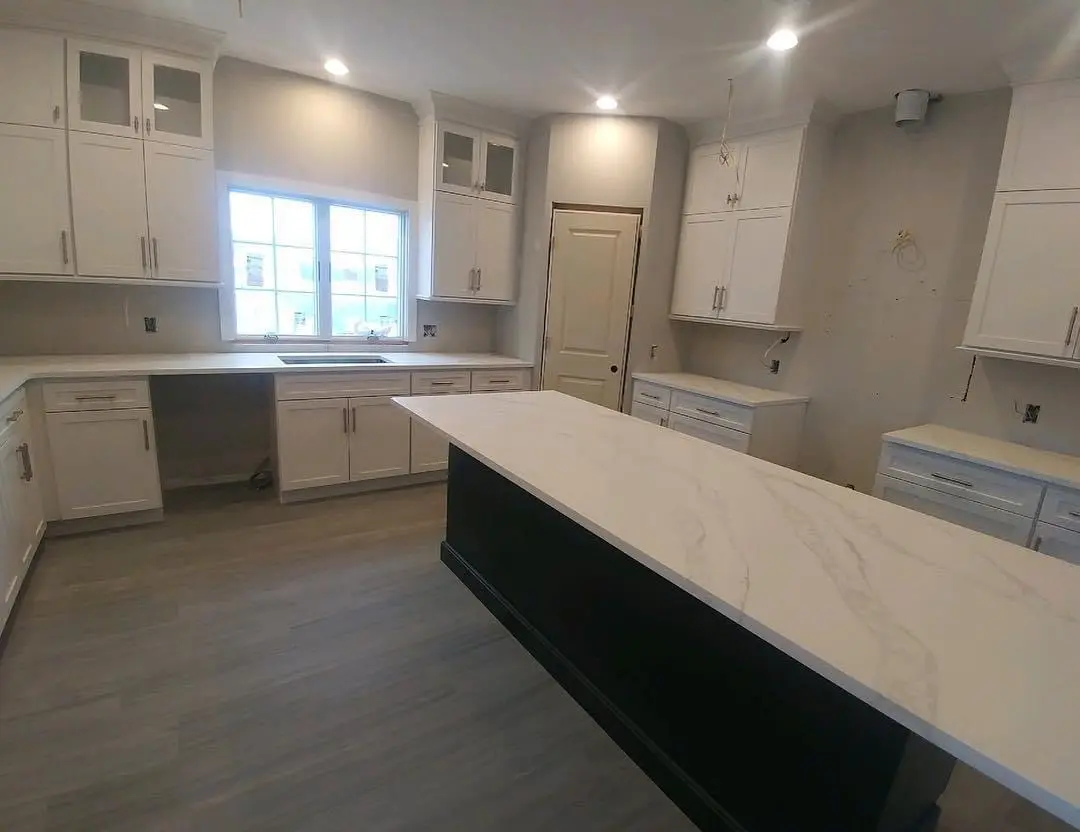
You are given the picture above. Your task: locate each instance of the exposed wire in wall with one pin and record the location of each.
(971, 375)
(727, 155)
(905, 249)
(774, 365)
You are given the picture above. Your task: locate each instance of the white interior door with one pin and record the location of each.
(36, 59)
(590, 289)
(770, 171)
(182, 207)
(758, 250)
(703, 265)
(1028, 286)
(108, 201)
(35, 234)
(455, 227)
(495, 254)
(104, 462)
(313, 443)
(379, 441)
(712, 179)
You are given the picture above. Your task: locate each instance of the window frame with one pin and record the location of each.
(322, 196)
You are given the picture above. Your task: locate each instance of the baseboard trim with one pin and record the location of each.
(348, 489)
(176, 483)
(107, 522)
(705, 812)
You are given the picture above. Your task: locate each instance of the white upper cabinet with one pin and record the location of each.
(1027, 296)
(454, 258)
(769, 171)
(472, 162)
(104, 88)
(35, 235)
(703, 264)
(498, 165)
(37, 61)
(1042, 144)
(712, 180)
(177, 106)
(180, 203)
(108, 200)
(495, 256)
(758, 247)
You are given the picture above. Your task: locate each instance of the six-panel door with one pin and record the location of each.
(35, 235)
(104, 462)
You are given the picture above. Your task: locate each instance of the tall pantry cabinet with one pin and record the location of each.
(106, 160)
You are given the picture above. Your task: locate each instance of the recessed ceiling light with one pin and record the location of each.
(607, 102)
(782, 40)
(335, 67)
(159, 106)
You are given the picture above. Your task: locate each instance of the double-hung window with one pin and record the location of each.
(316, 269)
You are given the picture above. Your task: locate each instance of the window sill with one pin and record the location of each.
(320, 345)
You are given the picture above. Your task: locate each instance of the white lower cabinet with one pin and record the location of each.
(648, 413)
(313, 443)
(104, 462)
(22, 521)
(379, 444)
(717, 435)
(1057, 542)
(995, 522)
(430, 450)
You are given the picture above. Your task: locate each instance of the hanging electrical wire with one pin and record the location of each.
(725, 149)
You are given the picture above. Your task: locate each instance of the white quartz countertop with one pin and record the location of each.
(1008, 456)
(969, 641)
(717, 388)
(14, 372)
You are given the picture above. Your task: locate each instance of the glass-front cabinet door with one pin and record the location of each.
(457, 160)
(104, 83)
(176, 100)
(499, 167)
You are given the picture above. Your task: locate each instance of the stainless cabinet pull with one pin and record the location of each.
(650, 396)
(354, 420)
(145, 435)
(154, 260)
(1074, 513)
(441, 383)
(142, 248)
(723, 297)
(24, 456)
(663, 422)
(479, 278)
(56, 113)
(135, 123)
(707, 412)
(14, 417)
(1072, 323)
(1038, 544)
(716, 298)
(953, 480)
(472, 279)
(63, 246)
(345, 419)
(105, 397)
(146, 124)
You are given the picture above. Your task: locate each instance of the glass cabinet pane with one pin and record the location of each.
(499, 172)
(104, 88)
(177, 101)
(456, 164)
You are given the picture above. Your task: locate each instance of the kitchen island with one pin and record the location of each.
(777, 652)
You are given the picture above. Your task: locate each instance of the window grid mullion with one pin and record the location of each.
(323, 300)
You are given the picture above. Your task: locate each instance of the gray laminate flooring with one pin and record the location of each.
(251, 666)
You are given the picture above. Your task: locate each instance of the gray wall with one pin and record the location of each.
(878, 352)
(268, 123)
(612, 162)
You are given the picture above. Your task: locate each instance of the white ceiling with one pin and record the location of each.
(666, 58)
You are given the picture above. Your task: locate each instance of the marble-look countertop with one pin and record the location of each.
(971, 642)
(1007, 456)
(15, 372)
(717, 388)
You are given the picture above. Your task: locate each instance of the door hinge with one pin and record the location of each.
(547, 343)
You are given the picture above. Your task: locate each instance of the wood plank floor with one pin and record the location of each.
(249, 666)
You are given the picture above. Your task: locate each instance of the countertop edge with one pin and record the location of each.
(786, 398)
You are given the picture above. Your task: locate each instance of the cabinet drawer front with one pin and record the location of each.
(1004, 525)
(340, 385)
(453, 381)
(648, 413)
(716, 434)
(719, 412)
(1057, 542)
(112, 394)
(488, 381)
(963, 479)
(1061, 508)
(652, 394)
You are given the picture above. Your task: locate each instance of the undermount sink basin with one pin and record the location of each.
(332, 359)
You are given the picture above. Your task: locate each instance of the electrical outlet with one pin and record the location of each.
(150, 323)
(431, 330)
(774, 368)
(1031, 413)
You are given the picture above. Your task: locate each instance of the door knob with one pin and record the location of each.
(614, 368)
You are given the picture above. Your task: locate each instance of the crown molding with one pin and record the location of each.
(443, 107)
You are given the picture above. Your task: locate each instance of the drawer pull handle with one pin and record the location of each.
(499, 381)
(707, 412)
(145, 435)
(1074, 514)
(103, 398)
(442, 383)
(1038, 544)
(14, 417)
(650, 396)
(953, 481)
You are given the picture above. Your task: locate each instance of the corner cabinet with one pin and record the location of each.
(469, 184)
(1026, 303)
(741, 259)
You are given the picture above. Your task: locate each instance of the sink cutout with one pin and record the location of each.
(332, 359)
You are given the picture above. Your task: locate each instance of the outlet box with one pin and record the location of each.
(1031, 413)
(431, 330)
(150, 324)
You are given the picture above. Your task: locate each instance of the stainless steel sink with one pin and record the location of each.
(323, 358)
